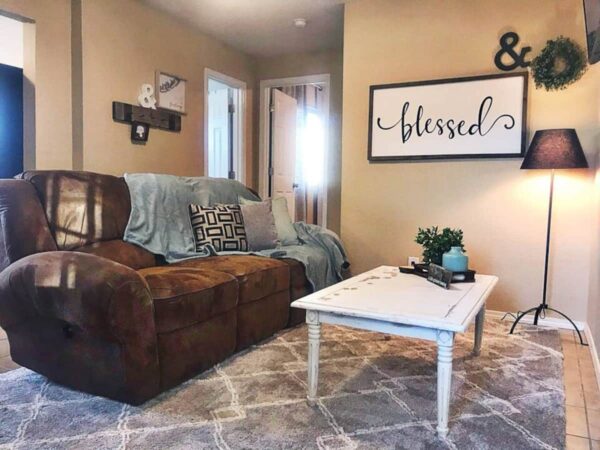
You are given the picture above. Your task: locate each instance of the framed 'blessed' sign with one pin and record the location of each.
(474, 117)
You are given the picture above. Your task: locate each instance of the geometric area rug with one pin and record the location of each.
(375, 392)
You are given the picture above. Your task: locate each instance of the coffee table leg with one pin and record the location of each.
(445, 341)
(314, 336)
(479, 320)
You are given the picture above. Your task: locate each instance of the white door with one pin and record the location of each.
(283, 147)
(218, 130)
(224, 126)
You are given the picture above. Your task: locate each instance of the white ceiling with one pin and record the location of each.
(263, 27)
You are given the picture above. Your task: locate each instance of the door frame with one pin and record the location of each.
(240, 136)
(323, 79)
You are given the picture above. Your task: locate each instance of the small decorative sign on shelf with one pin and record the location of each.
(440, 276)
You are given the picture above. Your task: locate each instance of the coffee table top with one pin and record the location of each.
(386, 294)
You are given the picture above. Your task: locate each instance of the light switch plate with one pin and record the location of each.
(413, 260)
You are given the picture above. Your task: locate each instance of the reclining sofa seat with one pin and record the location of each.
(97, 314)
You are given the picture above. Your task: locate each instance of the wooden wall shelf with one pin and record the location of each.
(156, 118)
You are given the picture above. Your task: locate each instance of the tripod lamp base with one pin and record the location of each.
(540, 311)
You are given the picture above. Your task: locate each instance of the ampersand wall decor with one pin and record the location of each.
(146, 97)
(508, 42)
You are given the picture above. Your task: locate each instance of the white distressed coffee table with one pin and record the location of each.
(387, 301)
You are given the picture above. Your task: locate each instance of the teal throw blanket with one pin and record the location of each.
(160, 223)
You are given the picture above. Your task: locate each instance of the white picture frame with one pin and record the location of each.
(170, 92)
(458, 118)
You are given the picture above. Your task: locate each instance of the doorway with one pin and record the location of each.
(11, 97)
(294, 144)
(224, 137)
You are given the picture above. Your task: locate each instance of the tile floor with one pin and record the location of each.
(582, 396)
(581, 389)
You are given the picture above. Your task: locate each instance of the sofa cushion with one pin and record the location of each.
(122, 252)
(257, 276)
(184, 296)
(82, 207)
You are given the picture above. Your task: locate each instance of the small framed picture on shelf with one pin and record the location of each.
(170, 92)
(139, 132)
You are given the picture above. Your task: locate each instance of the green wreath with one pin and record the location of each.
(560, 63)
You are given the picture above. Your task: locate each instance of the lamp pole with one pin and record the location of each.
(551, 196)
(541, 309)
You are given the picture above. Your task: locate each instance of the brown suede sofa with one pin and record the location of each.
(100, 315)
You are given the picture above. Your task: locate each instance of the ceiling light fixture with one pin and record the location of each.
(300, 23)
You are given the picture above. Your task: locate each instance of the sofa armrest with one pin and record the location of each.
(96, 315)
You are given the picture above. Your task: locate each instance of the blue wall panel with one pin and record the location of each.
(11, 121)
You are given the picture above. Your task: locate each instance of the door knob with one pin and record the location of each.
(295, 185)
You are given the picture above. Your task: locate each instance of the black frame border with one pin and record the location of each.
(521, 154)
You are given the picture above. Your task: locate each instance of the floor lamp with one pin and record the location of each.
(551, 150)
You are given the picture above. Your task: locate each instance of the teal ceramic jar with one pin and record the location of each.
(455, 260)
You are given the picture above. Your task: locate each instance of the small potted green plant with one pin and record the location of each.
(435, 244)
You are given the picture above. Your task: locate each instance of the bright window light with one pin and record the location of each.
(313, 145)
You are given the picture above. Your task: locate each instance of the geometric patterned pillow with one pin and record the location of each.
(220, 227)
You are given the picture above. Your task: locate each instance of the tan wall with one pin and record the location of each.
(47, 67)
(501, 209)
(124, 42)
(302, 64)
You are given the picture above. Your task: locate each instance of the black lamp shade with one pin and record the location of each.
(555, 149)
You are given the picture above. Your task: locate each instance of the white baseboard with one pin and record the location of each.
(552, 322)
(594, 350)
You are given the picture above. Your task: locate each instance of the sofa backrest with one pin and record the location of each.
(23, 226)
(46, 210)
(81, 208)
